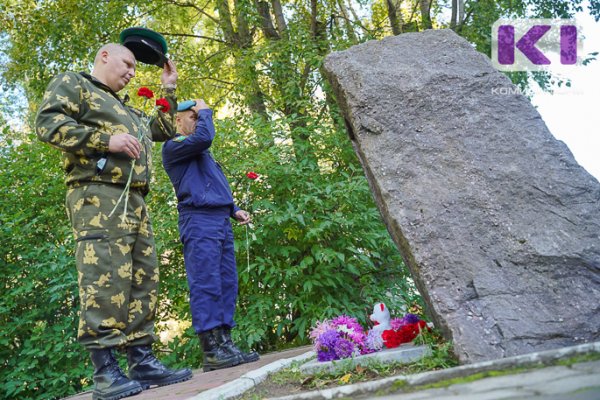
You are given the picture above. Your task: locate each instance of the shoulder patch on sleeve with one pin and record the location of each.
(179, 138)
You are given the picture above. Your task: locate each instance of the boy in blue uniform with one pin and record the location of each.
(205, 206)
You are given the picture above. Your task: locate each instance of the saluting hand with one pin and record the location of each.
(125, 143)
(200, 105)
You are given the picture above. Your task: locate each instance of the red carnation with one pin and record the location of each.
(163, 104)
(145, 92)
(252, 175)
(409, 332)
(391, 338)
(406, 334)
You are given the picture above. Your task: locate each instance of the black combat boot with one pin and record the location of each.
(148, 371)
(111, 382)
(224, 338)
(215, 355)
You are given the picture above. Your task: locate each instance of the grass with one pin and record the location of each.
(579, 359)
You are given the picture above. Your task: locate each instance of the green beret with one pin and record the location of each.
(148, 46)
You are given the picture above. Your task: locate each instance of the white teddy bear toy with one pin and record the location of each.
(381, 318)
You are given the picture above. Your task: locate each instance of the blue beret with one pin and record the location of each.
(185, 105)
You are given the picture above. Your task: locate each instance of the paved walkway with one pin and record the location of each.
(203, 381)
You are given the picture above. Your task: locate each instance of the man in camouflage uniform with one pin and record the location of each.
(104, 141)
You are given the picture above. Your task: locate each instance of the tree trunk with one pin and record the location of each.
(292, 93)
(393, 17)
(356, 17)
(225, 21)
(319, 37)
(454, 14)
(347, 22)
(266, 21)
(426, 14)
(242, 40)
(461, 13)
(244, 35)
(279, 18)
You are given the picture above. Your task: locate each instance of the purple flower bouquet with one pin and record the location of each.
(344, 337)
(341, 337)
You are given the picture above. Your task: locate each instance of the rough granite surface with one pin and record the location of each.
(498, 224)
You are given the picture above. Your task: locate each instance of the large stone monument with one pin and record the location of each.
(498, 224)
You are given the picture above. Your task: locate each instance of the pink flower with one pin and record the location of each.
(320, 328)
(397, 323)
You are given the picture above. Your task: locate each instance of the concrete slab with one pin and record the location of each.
(584, 394)
(531, 379)
(568, 384)
(404, 354)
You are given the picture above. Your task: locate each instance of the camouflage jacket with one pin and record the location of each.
(78, 115)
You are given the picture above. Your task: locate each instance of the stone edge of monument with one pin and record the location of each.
(403, 354)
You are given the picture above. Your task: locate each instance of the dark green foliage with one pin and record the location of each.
(38, 279)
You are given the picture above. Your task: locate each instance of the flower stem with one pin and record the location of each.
(125, 194)
(247, 241)
(247, 250)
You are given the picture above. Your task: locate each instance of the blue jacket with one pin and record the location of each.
(197, 178)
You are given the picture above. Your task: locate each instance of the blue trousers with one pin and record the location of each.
(209, 257)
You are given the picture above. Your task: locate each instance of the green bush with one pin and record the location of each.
(38, 307)
(317, 249)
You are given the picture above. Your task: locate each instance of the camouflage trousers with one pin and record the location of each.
(118, 270)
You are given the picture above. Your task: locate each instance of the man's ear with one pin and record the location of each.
(178, 121)
(104, 56)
